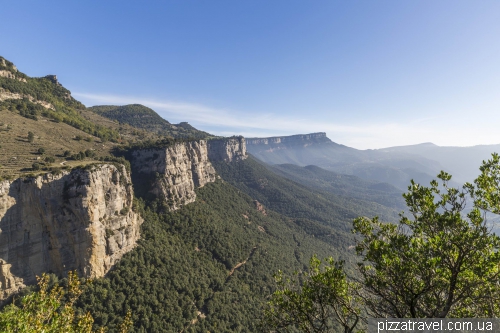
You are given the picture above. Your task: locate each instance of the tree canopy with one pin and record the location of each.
(441, 261)
(50, 310)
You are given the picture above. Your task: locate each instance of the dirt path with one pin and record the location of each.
(238, 265)
(202, 312)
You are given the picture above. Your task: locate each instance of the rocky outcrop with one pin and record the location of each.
(80, 220)
(174, 172)
(53, 78)
(227, 150)
(5, 95)
(260, 207)
(10, 75)
(178, 170)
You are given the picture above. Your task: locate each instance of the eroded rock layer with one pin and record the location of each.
(80, 220)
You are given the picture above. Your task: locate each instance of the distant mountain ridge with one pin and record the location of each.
(319, 137)
(462, 162)
(394, 167)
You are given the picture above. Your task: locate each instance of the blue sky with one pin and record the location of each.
(371, 74)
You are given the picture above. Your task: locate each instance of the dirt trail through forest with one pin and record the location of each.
(242, 263)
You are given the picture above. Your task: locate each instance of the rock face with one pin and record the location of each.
(80, 220)
(175, 171)
(10, 75)
(5, 95)
(228, 150)
(9, 71)
(178, 170)
(53, 78)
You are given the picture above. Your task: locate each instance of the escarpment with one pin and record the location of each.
(80, 220)
(174, 172)
(298, 139)
(228, 149)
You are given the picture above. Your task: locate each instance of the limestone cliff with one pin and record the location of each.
(5, 95)
(178, 168)
(228, 149)
(80, 220)
(175, 171)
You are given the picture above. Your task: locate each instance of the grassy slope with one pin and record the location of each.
(17, 154)
(55, 129)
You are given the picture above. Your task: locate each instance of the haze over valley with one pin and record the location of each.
(203, 167)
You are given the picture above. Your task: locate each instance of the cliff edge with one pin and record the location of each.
(80, 220)
(174, 172)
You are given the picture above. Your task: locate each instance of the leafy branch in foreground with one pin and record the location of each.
(444, 261)
(46, 311)
(325, 302)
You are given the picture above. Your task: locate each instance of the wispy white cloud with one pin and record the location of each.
(361, 133)
(200, 114)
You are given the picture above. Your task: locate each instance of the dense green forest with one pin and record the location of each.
(209, 266)
(142, 117)
(179, 277)
(298, 201)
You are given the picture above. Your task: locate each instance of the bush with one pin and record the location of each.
(89, 153)
(50, 310)
(79, 157)
(41, 151)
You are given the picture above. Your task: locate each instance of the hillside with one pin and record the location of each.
(298, 201)
(140, 116)
(343, 185)
(215, 225)
(34, 97)
(209, 265)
